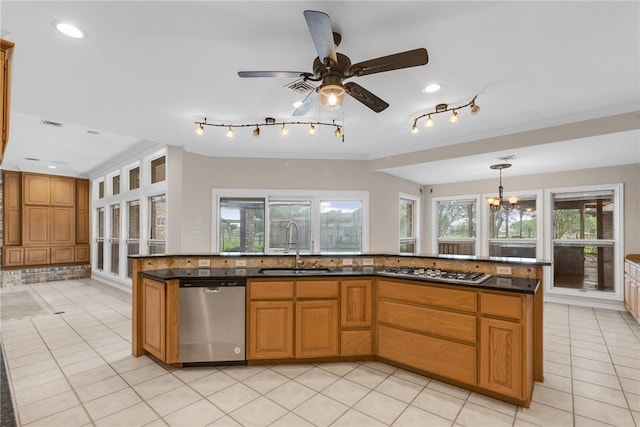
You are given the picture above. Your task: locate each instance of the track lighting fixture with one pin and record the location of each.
(443, 108)
(269, 121)
(497, 203)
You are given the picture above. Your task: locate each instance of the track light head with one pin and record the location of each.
(454, 117)
(256, 131)
(312, 130)
(229, 133)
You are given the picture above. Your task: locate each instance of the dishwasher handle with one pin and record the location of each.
(212, 283)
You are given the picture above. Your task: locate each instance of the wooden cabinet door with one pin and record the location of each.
(501, 357)
(356, 303)
(62, 255)
(316, 328)
(35, 225)
(270, 330)
(36, 189)
(62, 226)
(82, 211)
(154, 317)
(36, 256)
(11, 202)
(62, 192)
(12, 257)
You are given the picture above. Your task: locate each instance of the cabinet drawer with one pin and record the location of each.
(12, 257)
(426, 294)
(435, 355)
(501, 305)
(421, 319)
(62, 255)
(317, 289)
(271, 290)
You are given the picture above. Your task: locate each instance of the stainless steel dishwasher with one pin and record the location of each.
(212, 320)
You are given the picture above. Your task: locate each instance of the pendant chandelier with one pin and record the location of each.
(497, 203)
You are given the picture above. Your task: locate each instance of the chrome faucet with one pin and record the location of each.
(299, 262)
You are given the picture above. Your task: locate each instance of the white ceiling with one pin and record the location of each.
(147, 70)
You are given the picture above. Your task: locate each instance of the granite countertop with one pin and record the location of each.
(499, 283)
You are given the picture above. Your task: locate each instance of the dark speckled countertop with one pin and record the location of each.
(498, 283)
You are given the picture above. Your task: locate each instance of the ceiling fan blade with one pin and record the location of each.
(308, 103)
(366, 97)
(272, 73)
(319, 25)
(410, 58)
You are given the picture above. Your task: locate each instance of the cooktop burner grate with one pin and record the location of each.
(453, 276)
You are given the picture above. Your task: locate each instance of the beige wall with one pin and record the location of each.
(629, 175)
(201, 174)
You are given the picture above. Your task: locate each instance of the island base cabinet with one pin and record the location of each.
(356, 343)
(270, 330)
(316, 328)
(429, 354)
(153, 317)
(501, 357)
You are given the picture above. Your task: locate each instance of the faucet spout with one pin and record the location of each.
(292, 223)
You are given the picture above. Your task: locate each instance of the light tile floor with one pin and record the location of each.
(74, 368)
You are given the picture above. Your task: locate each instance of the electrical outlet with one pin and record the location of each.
(347, 261)
(367, 261)
(241, 263)
(204, 263)
(503, 271)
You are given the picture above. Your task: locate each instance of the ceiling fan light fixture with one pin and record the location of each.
(332, 96)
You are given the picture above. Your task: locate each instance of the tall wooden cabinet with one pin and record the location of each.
(6, 51)
(632, 285)
(46, 219)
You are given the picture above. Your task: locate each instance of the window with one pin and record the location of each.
(513, 233)
(408, 225)
(585, 234)
(242, 225)
(257, 222)
(340, 227)
(158, 224)
(134, 178)
(281, 212)
(456, 226)
(100, 239)
(158, 172)
(133, 232)
(115, 238)
(101, 190)
(115, 185)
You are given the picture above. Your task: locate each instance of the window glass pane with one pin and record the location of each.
(133, 232)
(583, 232)
(280, 214)
(100, 260)
(512, 233)
(101, 190)
(115, 184)
(115, 221)
(158, 218)
(115, 256)
(100, 239)
(134, 178)
(341, 226)
(158, 170)
(100, 223)
(242, 225)
(457, 221)
(407, 226)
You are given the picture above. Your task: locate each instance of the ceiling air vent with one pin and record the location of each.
(300, 86)
(50, 123)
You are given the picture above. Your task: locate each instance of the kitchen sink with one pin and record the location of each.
(278, 271)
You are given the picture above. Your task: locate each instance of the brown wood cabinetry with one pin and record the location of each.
(632, 285)
(46, 219)
(6, 51)
(292, 319)
(160, 302)
(356, 317)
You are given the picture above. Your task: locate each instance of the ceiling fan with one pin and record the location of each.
(331, 68)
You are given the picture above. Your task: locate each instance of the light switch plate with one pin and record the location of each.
(367, 261)
(503, 271)
(204, 263)
(347, 261)
(241, 263)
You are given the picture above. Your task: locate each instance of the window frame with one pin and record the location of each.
(316, 196)
(480, 234)
(416, 223)
(618, 243)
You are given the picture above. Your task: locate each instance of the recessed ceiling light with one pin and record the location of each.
(69, 30)
(297, 104)
(51, 167)
(433, 87)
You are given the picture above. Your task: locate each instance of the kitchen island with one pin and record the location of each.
(485, 336)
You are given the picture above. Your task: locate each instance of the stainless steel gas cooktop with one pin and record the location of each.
(449, 276)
